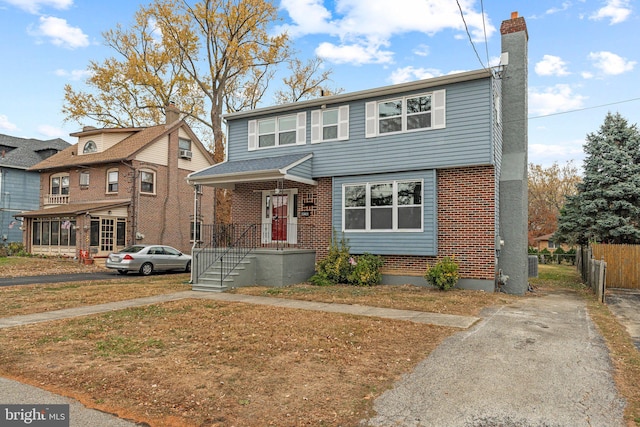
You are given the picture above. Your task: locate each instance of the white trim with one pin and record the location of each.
(438, 109)
(371, 121)
(301, 129)
(394, 207)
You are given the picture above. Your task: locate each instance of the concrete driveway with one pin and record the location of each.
(625, 304)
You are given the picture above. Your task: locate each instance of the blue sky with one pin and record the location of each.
(583, 55)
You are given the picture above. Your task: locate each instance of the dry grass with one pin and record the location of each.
(206, 363)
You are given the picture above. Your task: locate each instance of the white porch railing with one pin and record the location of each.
(56, 199)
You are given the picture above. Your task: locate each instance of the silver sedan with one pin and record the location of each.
(149, 258)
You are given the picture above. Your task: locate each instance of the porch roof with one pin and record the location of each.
(73, 209)
(292, 167)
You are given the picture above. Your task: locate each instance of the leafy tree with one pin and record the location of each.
(548, 190)
(607, 206)
(207, 58)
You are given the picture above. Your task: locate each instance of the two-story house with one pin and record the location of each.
(412, 172)
(116, 187)
(19, 187)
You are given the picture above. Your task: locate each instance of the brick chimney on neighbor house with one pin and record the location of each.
(171, 113)
(513, 258)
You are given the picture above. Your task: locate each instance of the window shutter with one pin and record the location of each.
(253, 138)
(371, 119)
(439, 110)
(316, 117)
(301, 131)
(343, 123)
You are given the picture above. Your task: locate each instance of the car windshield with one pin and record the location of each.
(132, 249)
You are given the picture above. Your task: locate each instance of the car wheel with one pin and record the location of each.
(146, 269)
(123, 272)
(187, 269)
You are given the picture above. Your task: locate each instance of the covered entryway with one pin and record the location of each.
(279, 216)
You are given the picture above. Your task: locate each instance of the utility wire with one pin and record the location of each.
(484, 30)
(469, 34)
(583, 109)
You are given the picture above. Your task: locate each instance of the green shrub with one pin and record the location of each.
(444, 274)
(365, 270)
(16, 249)
(340, 267)
(335, 267)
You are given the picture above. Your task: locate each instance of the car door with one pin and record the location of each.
(174, 258)
(159, 259)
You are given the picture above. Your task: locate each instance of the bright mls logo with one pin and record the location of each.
(34, 415)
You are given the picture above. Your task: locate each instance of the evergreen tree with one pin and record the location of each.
(607, 206)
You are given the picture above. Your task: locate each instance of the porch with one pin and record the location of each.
(267, 254)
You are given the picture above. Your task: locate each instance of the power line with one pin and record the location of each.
(484, 30)
(585, 108)
(469, 34)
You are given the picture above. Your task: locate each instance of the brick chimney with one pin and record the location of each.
(513, 194)
(514, 25)
(171, 112)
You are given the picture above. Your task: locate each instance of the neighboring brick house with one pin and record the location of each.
(117, 187)
(412, 172)
(19, 186)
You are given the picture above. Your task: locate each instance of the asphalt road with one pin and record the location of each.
(60, 278)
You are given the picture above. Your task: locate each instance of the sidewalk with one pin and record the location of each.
(451, 320)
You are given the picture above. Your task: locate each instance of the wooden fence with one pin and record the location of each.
(593, 272)
(623, 264)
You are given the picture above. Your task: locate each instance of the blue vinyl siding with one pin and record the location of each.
(19, 191)
(466, 140)
(388, 242)
(304, 169)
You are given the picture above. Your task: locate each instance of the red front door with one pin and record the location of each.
(279, 213)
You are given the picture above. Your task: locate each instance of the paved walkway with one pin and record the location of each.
(358, 310)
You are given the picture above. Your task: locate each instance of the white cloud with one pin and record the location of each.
(548, 154)
(51, 131)
(364, 24)
(565, 6)
(60, 33)
(554, 99)
(551, 66)
(34, 6)
(616, 11)
(6, 125)
(610, 63)
(355, 54)
(410, 73)
(74, 75)
(421, 50)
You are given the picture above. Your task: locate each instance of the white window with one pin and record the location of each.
(383, 206)
(406, 114)
(112, 181)
(147, 182)
(330, 124)
(278, 131)
(60, 185)
(184, 144)
(84, 179)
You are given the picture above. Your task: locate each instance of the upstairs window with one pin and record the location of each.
(331, 124)
(112, 181)
(383, 206)
(84, 179)
(147, 182)
(406, 114)
(89, 147)
(60, 185)
(184, 144)
(278, 131)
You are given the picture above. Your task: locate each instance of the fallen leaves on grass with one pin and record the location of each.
(204, 363)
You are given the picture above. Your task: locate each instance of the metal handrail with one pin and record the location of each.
(231, 243)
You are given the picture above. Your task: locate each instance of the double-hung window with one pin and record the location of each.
(330, 124)
(278, 131)
(383, 206)
(112, 181)
(405, 114)
(60, 185)
(147, 182)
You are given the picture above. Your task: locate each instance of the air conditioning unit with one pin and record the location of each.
(184, 154)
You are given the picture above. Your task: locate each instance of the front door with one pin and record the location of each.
(279, 216)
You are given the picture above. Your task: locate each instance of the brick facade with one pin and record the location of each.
(466, 220)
